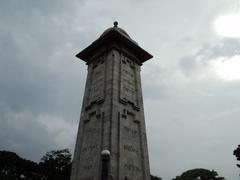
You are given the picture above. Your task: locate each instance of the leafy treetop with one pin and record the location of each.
(199, 174)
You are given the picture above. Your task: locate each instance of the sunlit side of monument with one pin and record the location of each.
(111, 140)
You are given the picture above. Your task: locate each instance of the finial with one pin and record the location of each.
(115, 23)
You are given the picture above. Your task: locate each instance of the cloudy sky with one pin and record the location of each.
(191, 87)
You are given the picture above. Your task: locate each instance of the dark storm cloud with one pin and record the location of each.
(33, 65)
(38, 74)
(191, 121)
(22, 133)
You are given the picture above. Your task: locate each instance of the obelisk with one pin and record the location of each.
(112, 115)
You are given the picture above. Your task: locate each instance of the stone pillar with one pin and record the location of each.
(112, 115)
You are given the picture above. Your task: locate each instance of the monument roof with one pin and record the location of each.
(117, 34)
(115, 27)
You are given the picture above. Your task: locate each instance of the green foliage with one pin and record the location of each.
(202, 174)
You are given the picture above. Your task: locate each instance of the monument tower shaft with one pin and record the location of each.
(112, 115)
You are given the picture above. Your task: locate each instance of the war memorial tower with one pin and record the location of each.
(112, 115)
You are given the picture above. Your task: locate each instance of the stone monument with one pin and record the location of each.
(112, 115)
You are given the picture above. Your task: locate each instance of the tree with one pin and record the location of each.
(56, 165)
(13, 167)
(236, 152)
(202, 174)
(155, 178)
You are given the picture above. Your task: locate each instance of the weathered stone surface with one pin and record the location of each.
(112, 115)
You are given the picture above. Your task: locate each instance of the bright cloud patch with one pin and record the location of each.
(228, 68)
(228, 25)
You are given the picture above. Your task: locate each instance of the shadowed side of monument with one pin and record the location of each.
(112, 115)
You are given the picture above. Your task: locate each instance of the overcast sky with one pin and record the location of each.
(191, 87)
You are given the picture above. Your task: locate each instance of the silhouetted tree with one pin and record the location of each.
(236, 152)
(56, 165)
(202, 174)
(13, 167)
(155, 178)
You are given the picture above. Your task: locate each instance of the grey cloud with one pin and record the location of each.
(188, 64)
(40, 78)
(154, 82)
(196, 115)
(187, 129)
(227, 47)
(195, 63)
(31, 76)
(20, 131)
(38, 75)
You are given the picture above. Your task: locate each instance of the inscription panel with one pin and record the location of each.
(131, 167)
(128, 81)
(130, 148)
(131, 154)
(97, 81)
(91, 144)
